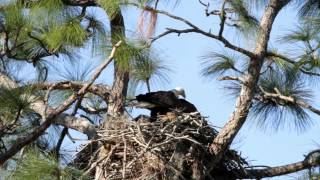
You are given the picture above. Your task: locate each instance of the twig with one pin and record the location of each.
(222, 18)
(232, 78)
(147, 147)
(64, 132)
(107, 157)
(124, 161)
(91, 110)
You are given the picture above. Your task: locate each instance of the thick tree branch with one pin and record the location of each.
(311, 160)
(77, 123)
(100, 90)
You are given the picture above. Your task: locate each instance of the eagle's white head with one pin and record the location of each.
(178, 91)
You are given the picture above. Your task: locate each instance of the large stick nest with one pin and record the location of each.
(175, 149)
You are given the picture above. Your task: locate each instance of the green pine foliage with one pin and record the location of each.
(274, 113)
(59, 36)
(37, 165)
(110, 6)
(216, 64)
(127, 52)
(245, 22)
(308, 8)
(306, 39)
(15, 101)
(14, 17)
(44, 28)
(149, 69)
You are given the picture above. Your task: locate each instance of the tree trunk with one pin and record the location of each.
(117, 97)
(121, 76)
(223, 140)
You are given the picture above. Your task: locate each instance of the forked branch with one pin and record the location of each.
(196, 29)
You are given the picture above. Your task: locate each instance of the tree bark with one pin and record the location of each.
(121, 76)
(223, 140)
(280, 170)
(118, 93)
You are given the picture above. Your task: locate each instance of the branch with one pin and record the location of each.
(285, 169)
(288, 99)
(91, 110)
(53, 115)
(272, 54)
(213, 12)
(41, 44)
(196, 29)
(64, 132)
(231, 78)
(222, 18)
(80, 2)
(77, 123)
(100, 90)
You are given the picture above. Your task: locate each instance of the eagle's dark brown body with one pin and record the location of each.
(162, 102)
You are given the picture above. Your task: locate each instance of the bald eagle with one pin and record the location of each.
(162, 102)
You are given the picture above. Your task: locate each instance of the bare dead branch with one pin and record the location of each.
(195, 29)
(100, 90)
(124, 161)
(208, 34)
(222, 19)
(91, 110)
(64, 132)
(230, 78)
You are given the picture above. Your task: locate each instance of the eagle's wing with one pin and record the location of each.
(185, 106)
(160, 98)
